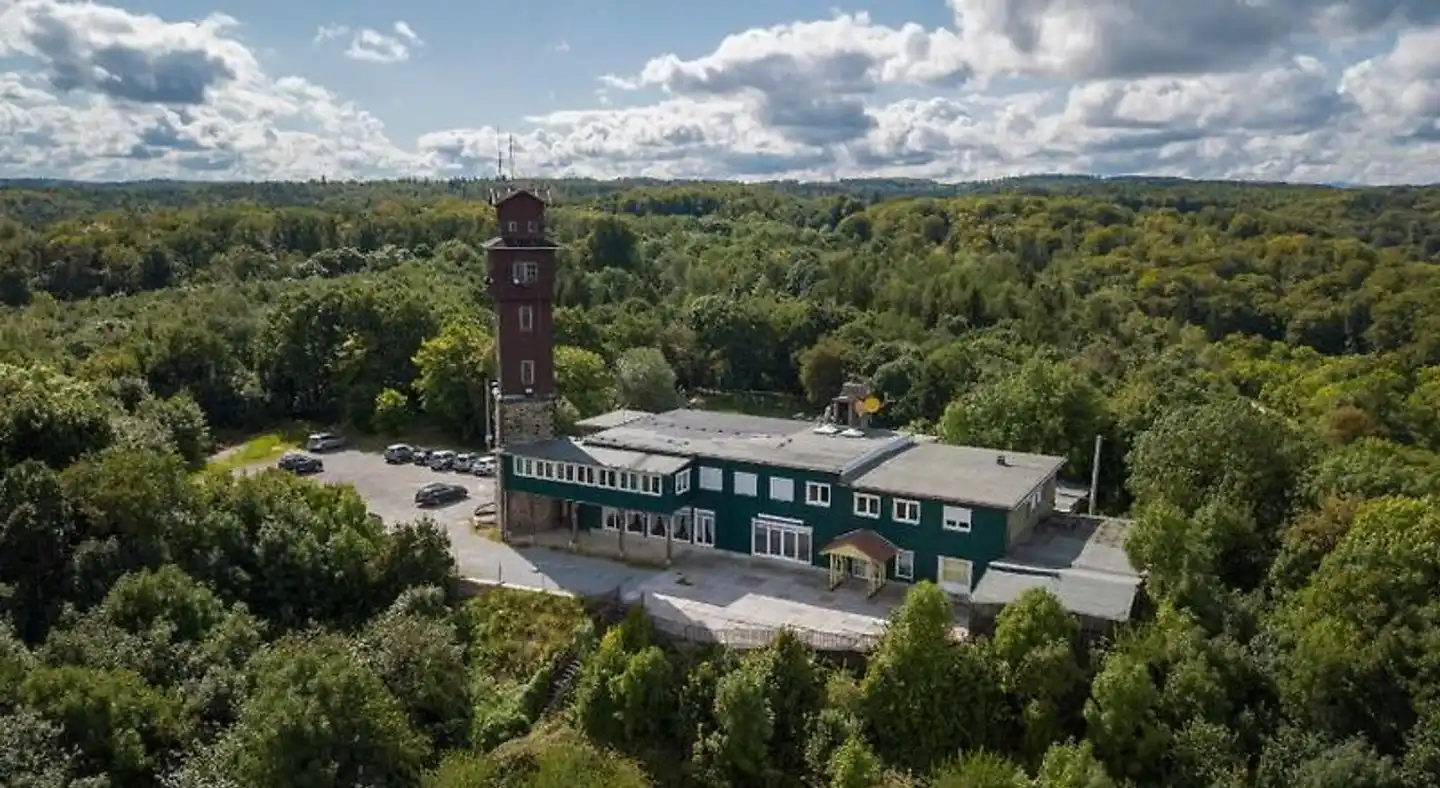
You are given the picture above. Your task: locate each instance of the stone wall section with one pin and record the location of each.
(522, 515)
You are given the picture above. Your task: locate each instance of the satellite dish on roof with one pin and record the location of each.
(870, 405)
(826, 429)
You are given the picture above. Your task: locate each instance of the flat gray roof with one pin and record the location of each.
(737, 437)
(615, 418)
(962, 474)
(1079, 559)
(566, 450)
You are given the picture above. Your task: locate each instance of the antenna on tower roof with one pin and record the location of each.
(499, 159)
(512, 156)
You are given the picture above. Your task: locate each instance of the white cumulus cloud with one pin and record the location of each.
(1313, 90)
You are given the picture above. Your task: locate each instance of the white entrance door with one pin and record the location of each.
(954, 575)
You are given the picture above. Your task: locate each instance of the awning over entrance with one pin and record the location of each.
(863, 549)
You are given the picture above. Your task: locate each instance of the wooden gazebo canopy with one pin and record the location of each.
(872, 550)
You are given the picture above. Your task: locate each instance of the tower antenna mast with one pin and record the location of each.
(499, 159)
(512, 156)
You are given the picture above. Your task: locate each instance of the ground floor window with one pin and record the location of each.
(905, 565)
(786, 540)
(610, 519)
(954, 575)
(704, 528)
(635, 523)
(659, 524)
(680, 529)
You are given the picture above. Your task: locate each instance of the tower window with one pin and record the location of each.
(532, 226)
(527, 317)
(527, 373)
(525, 272)
(511, 227)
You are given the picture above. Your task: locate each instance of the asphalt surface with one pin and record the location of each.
(389, 490)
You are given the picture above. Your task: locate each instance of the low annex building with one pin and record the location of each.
(869, 504)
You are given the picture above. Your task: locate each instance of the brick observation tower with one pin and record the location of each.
(521, 283)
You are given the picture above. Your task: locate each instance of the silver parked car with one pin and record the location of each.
(324, 441)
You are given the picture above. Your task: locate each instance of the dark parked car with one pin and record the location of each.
(438, 493)
(301, 464)
(399, 453)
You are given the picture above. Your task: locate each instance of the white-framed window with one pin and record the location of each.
(704, 528)
(782, 489)
(905, 565)
(610, 519)
(905, 511)
(817, 493)
(525, 272)
(775, 538)
(526, 317)
(954, 574)
(682, 482)
(746, 484)
(867, 505)
(681, 523)
(527, 372)
(511, 227)
(635, 522)
(532, 226)
(569, 472)
(547, 470)
(712, 479)
(651, 484)
(524, 466)
(957, 518)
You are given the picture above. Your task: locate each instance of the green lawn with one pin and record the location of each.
(261, 448)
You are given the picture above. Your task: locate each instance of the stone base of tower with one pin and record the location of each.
(522, 515)
(527, 515)
(526, 420)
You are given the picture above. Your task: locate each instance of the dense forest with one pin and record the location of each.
(1263, 363)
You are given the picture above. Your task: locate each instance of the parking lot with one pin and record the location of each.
(389, 490)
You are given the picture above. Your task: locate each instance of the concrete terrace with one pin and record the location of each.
(1080, 559)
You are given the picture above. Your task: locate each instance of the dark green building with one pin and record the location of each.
(870, 503)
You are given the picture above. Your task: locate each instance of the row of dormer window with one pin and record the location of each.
(589, 475)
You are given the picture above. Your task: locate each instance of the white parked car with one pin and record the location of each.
(483, 465)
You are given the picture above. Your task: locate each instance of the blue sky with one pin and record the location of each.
(1302, 90)
(469, 71)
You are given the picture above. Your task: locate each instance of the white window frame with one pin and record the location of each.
(940, 574)
(511, 227)
(527, 372)
(959, 519)
(611, 519)
(712, 479)
(910, 556)
(532, 226)
(817, 494)
(871, 507)
(703, 523)
(526, 317)
(908, 505)
(745, 483)
(682, 482)
(782, 489)
(783, 526)
(525, 272)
